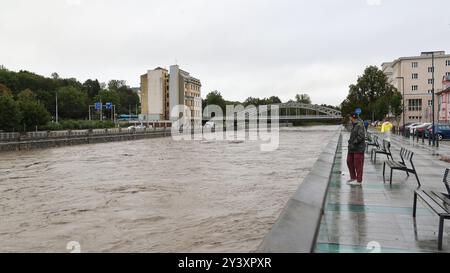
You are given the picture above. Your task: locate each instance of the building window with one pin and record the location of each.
(430, 91)
(430, 81)
(415, 64)
(415, 76)
(430, 69)
(447, 74)
(447, 62)
(415, 105)
(430, 103)
(415, 88)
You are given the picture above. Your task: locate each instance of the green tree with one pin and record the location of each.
(116, 84)
(253, 101)
(72, 103)
(303, 98)
(92, 88)
(273, 100)
(129, 100)
(33, 113)
(374, 95)
(4, 90)
(215, 98)
(10, 116)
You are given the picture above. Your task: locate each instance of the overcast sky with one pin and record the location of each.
(242, 48)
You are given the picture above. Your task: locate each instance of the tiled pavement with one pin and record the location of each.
(357, 218)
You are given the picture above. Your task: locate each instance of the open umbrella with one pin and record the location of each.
(386, 127)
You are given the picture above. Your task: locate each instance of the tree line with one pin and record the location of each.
(376, 97)
(216, 98)
(28, 100)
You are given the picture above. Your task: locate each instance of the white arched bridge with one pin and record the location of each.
(303, 111)
(290, 111)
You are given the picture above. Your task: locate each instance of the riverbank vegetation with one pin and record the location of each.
(28, 100)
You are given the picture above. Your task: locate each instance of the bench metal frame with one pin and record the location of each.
(385, 150)
(405, 155)
(373, 141)
(439, 203)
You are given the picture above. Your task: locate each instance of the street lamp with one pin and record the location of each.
(56, 106)
(403, 98)
(432, 91)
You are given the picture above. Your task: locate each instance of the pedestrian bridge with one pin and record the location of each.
(303, 111)
(291, 111)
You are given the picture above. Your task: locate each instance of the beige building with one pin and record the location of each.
(418, 82)
(161, 91)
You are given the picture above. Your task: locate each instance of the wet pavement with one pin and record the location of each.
(377, 217)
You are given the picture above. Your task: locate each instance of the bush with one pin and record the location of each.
(78, 125)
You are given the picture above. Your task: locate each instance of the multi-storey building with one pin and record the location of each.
(444, 101)
(185, 90)
(413, 77)
(161, 91)
(154, 95)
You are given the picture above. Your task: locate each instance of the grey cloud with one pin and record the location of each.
(242, 48)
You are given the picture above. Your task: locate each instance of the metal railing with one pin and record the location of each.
(46, 135)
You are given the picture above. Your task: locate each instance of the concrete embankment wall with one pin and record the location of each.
(297, 227)
(52, 142)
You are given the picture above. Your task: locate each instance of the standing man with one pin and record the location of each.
(356, 149)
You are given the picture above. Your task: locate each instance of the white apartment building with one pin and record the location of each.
(161, 91)
(412, 76)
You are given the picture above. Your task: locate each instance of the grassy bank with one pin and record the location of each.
(77, 125)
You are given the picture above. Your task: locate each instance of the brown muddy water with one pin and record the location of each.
(152, 195)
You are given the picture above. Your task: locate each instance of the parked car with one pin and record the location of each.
(405, 126)
(412, 127)
(209, 125)
(421, 128)
(442, 131)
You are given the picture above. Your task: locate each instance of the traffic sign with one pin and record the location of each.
(109, 105)
(358, 111)
(98, 106)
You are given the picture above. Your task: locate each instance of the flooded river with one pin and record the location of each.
(152, 195)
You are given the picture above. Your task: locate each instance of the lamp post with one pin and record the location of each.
(432, 92)
(403, 98)
(56, 106)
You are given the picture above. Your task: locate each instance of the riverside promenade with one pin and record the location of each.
(377, 217)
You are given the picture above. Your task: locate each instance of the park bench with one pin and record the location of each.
(439, 203)
(372, 141)
(406, 156)
(385, 150)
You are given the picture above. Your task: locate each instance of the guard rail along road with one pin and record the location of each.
(49, 139)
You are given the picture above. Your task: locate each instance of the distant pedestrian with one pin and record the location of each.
(366, 124)
(386, 129)
(356, 149)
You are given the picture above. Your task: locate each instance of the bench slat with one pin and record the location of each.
(435, 206)
(395, 164)
(441, 200)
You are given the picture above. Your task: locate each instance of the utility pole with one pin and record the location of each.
(56, 103)
(403, 99)
(432, 93)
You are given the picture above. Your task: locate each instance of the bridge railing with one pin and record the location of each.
(286, 111)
